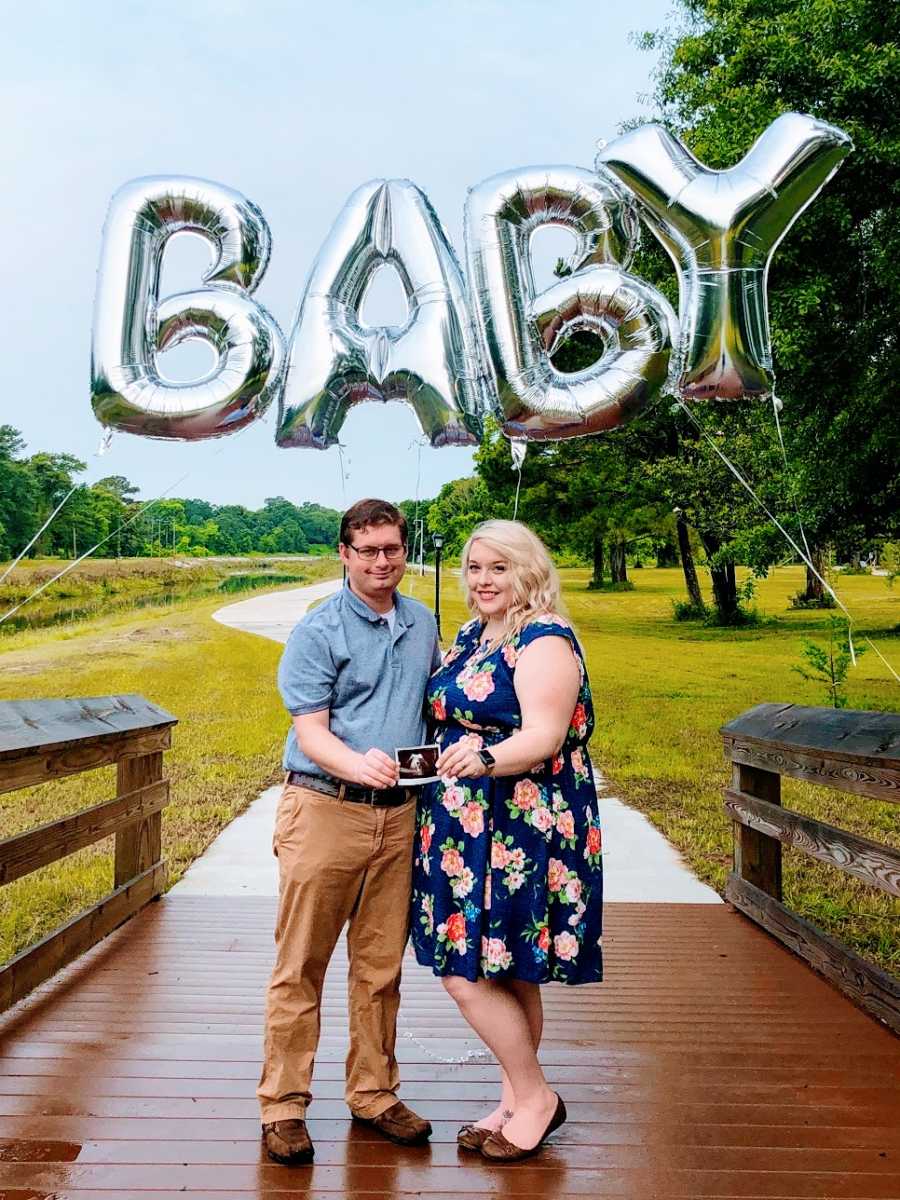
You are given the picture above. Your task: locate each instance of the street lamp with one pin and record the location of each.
(438, 539)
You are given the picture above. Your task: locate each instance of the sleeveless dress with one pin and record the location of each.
(507, 875)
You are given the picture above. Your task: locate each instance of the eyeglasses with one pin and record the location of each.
(370, 553)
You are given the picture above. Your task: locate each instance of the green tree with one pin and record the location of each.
(830, 665)
(458, 507)
(834, 287)
(19, 495)
(320, 525)
(117, 485)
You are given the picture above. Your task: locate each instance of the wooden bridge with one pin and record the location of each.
(713, 1062)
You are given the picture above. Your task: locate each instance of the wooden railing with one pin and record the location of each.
(48, 739)
(857, 752)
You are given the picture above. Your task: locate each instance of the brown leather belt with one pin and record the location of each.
(378, 797)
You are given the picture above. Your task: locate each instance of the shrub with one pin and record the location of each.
(740, 618)
(608, 586)
(829, 665)
(801, 600)
(686, 610)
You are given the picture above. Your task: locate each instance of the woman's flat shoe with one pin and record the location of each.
(497, 1148)
(470, 1137)
(473, 1137)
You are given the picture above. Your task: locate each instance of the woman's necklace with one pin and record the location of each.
(491, 640)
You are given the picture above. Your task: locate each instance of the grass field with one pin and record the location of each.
(221, 686)
(661, 689)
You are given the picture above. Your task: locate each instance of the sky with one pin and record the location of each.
(294, 104)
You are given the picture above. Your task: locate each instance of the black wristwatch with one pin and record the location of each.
(488, 759)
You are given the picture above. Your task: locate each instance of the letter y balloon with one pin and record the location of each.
(721, 229)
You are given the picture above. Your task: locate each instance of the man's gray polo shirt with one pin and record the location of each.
(342, 656)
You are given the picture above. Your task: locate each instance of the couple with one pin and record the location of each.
(495, 868)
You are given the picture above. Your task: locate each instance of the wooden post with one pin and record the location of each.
(757, 857)
(138, 846)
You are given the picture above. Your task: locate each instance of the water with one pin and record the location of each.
(43, 614)
(244, 583)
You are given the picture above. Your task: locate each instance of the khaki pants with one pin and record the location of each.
(338, 862)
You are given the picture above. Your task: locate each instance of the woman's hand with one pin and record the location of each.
(460, 761)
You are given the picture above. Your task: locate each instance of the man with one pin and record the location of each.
(353, 677)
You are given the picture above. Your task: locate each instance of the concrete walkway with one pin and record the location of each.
(639, 864)
(275, 614)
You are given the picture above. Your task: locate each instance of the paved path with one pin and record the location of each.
(639, 864)
(275, 614)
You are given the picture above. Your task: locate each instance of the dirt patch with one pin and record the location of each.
(143, 636)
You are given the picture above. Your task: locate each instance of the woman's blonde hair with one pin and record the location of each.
(535, 583)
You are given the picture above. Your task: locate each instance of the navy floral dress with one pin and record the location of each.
(507, 879)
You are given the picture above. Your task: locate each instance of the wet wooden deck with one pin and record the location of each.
(712, 1063)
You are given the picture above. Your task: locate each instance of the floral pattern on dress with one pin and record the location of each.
(507, 878)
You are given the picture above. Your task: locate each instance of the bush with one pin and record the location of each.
(608, 586)
(686, 610)
(568, 558)
(740, 618)
(801, 600)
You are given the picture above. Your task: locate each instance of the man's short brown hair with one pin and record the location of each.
(365, 513)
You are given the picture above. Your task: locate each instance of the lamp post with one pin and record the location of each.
(438, 539)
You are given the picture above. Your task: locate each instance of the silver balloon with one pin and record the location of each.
(721, 229)
(132, 325)
(521, 330)
(430, 361)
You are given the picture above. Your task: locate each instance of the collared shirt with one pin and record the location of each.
(343, 656)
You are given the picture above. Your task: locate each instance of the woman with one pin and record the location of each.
(507, 885)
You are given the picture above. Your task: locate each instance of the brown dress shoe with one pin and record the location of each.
(288, 1142)
(499, 1149)
(399, 1124)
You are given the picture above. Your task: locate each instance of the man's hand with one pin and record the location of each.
(375, 769)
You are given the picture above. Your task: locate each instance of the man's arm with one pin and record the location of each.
(314, 737)
(306, 679)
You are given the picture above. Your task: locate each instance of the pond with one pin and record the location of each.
(42, 614)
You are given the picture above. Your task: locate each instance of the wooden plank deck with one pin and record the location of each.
(712, 1063)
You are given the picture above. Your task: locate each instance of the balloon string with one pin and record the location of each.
(868, 640)
(471, 1056)
(342, 469)
(144, 507)
(420, 533)
(775, 405)
(98, 453)
(518, 489)
(15, 562)
(740, 478)
(870, 643)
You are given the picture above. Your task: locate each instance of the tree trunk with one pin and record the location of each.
(597, 580)
(691, 581)
(617, 571)
(724, 583)
(815, 590)
(724, 587)
(667, 553)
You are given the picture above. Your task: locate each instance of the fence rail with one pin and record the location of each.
(42, 740)
(856, 752)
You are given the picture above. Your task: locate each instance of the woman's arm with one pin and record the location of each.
(547, 680)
